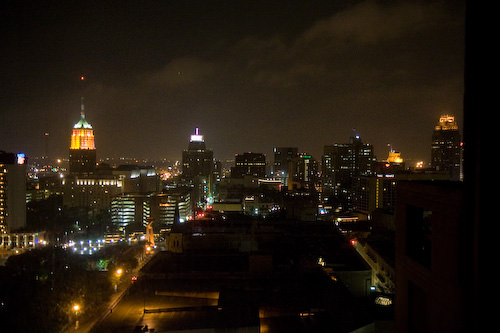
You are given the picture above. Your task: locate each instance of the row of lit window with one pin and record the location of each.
(99, 182)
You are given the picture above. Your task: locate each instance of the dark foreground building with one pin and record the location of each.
(431, 278)
(242, 276)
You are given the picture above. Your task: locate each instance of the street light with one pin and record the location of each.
(118, 274)
(76, 309)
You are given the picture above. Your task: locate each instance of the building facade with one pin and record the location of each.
(133, 211)
(342, 164)
(197, 168)
(283, 156)
(82, 152)
(12, 192)
(446, 151)
(431, 251)
(303, 172)
(249, 164)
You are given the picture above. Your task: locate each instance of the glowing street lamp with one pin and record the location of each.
(118, 274)
(76, 310)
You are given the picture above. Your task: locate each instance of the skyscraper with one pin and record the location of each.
(250, 164)
(197, 167)
(446, 152)
(342, 164)
(282, 157)
(303, 172)
(12, 191)
(84, 187)
(82, 152)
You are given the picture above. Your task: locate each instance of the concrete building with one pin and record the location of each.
(303, 173)
(197, 168)
(341, 164)
(133, 211)
(249, 164)
(12, 192)
(446, 150)
(283, 156)
(82, 151)
(432, 281)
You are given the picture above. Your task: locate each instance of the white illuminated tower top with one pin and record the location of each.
(196, 137)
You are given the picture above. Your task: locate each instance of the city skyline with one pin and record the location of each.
(251, 76)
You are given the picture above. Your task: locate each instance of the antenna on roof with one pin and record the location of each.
(82, 105)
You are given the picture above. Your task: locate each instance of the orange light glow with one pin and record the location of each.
(82, 139)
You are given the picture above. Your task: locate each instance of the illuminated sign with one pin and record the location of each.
(21, 158)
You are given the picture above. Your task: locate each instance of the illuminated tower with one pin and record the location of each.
(82, 154)
(197, 168)
(446, 147)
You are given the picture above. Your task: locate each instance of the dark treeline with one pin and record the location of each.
(39, 288)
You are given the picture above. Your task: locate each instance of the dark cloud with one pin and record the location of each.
(251, 76)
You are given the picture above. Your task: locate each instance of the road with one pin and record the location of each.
(163, 311)
(122, 290)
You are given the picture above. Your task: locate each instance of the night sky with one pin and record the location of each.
(252, 75)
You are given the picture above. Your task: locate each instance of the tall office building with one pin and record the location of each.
(82, 152)
(342, 164)
(446, 153)
(133, 211)
(282, 157)
(249, 164)
(12, 191)
(303, 172)
(197, 168)
(88, 188)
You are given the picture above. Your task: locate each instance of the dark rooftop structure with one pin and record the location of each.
(277, 288)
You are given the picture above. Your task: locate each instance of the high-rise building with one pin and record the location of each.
(342, 164)
(12, 191)
(249, 164)
(132, 211)
(303, 172)
(282, 157)
(172, 206)
(82, 152)
(197, 168)
(446, 153)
